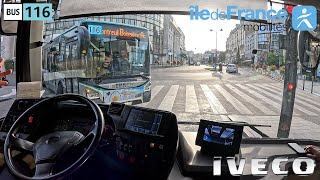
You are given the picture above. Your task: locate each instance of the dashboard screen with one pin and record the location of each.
(143, 122)
(219, 135)
(219, 138)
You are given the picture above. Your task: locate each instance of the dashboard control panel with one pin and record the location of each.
(145, 138)
(18, 107)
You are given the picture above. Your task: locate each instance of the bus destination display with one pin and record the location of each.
(143, 122)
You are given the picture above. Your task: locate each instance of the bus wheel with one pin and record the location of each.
(60, 88)
(147, 96)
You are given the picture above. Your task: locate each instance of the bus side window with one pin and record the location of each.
(74, 57)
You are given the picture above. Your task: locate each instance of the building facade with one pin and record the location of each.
(246, 37)
(174, 42)
(235, 45)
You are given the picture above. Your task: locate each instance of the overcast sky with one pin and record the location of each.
(199, 38)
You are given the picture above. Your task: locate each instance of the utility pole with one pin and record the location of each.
(216, 46)
(290, 81)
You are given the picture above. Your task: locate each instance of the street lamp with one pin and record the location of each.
(211, 30)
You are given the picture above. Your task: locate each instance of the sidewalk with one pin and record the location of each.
(166, 66)
(307, 84)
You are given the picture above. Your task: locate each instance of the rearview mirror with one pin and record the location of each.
(308, 50)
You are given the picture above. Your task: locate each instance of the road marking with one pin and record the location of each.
(252, 101)
(168, 100)
(215, 104)
(154, 92)
(236, 103)
(296, 99)
(12, 93)
(191, 100)
(302, 109)
(264, 98)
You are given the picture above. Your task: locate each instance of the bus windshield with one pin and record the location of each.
(117, 49)
(119, 56)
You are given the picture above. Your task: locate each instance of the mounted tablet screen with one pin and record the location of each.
(218, 138)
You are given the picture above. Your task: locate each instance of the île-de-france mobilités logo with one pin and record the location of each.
(304, 18)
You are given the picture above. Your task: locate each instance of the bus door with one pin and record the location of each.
(73, 67)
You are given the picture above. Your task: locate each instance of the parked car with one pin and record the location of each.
(198, 64)
(232, 68)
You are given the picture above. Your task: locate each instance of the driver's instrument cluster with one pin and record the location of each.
(145, 138)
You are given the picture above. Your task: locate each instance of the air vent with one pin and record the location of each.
(116, 108)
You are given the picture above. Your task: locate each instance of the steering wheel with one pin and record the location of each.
(49, 148)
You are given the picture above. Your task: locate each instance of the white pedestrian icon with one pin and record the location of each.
(305, 20)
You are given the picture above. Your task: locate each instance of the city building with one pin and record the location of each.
(235, 45)
(249, 36)
(173, 41)
(199, 57)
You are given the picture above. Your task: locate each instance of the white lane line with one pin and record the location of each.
(12, 93)
(259, 96)
(154, 92)
(236, 103)
(215, 104)
(298, 100)
(252, 101)
(302, 109)
(168, 100)
(191, 100)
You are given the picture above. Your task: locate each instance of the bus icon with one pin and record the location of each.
(95, 29)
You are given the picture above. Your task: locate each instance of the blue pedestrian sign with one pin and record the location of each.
(304, 18)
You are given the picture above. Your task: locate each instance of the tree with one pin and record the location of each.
(273, 59)
(184, 56)
(222, 57)
(210, 61)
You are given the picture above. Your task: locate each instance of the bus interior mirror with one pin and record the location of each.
(308, 49)
(84, 39)
(8, 28)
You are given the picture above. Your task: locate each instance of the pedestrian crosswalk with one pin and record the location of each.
(226, 99)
